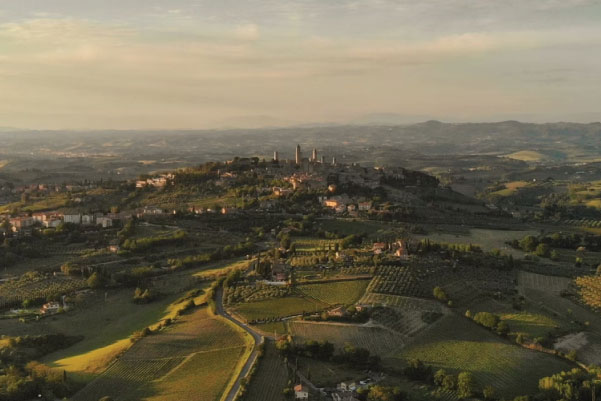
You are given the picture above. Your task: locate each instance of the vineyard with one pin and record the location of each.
(37, 288)
(336, 292)
(462, 283)
(197, 347)
(377, 340)
(590, 290)
(397, 280)
(400, 302)
(459, 345)
(277, 308)
(551, 284)
(270, 378)
(406, 323)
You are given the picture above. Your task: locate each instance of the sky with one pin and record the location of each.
(197, 64)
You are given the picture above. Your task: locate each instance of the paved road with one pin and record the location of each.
(257, 338)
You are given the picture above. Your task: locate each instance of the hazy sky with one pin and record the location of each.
(201, 64)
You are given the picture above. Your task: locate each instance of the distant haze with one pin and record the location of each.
(195, 64)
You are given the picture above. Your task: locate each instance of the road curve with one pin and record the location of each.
(257, 338)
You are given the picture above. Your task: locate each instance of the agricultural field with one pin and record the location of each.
(586, 344)
(527, 156)
(270, 378)
(541, 282)
(106, 333)
(510, 188)
(335, 292)
(457, 344)
(377, 340)
(589, 289)
(211, 368)
(532, 321)
(354, 226)
(487, 239)
(167, 365)
(401, 302)
(277, 308)
(397, 280)
(531, 324)
(272, 328)
(307, 244)
(36, 287)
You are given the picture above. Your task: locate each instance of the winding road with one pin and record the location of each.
(257, 338)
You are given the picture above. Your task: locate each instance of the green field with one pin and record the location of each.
(279, 328)
(531, 324)
(487, 239)
(354, 226)
(510, 188)
(278, 307)
(456, 344)
(337, 292)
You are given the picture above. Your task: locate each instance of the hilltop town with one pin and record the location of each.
(287, 279)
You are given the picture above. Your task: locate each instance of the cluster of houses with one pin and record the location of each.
(159, 181)
(24, 224)
(396, 248)
(344, 204)
(344, 391)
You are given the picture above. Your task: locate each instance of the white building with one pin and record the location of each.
(301, 392)
(72, 218)
(105, 222)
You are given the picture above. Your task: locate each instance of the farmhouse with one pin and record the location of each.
(301, 392)
(50, 308)
(347, 386)
(379, 247)
(279, 272)
(337, 312)
(344, 396)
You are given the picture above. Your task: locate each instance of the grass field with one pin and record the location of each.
(353, 226)
(510, 188)
(337, 292)
(456, 344)
(106, 332)
(279, 328)
(531, 324)
(198, 348)
(377, 340)
(527, 156)
(487, 239)
(278, 307)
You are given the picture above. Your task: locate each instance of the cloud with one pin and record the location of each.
(76, 68)
(247, 32)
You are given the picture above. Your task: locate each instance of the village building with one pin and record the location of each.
(104, 222)
(73, 218)
(21, 223)
(301, 392)
(50, 308)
